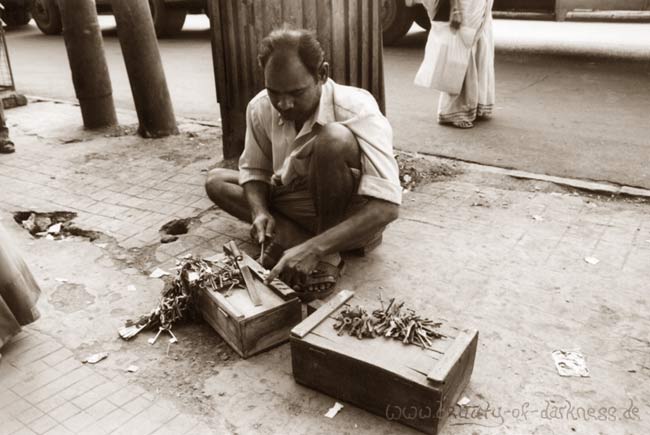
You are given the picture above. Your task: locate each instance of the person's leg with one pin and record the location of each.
(331, 183)
(222, 186)
(6, 145)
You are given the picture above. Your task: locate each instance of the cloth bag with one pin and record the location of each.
(446, 58)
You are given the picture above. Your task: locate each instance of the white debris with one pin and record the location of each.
(331, 413)
(464, 401)
(537, 217)
(193, 276)
(570, 363)
(157, 273)
(49, 237)
(95, 358)
(592, 260)
(54, 229)
(131, 288)
(61, 279)
(132, 368)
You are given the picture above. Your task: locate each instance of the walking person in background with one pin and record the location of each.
(476, 96)
(18, 291)
(6, 145)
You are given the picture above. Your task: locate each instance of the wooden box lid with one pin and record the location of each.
(427, 367)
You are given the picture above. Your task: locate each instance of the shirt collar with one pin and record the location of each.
(324, 113)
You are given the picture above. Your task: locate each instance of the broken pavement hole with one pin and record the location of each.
(172, 229)
(57, 225)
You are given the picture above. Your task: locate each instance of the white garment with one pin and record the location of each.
(477, 95)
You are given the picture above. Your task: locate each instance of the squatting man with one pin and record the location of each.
(317, 175)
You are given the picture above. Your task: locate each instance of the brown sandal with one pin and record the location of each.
(321, 282)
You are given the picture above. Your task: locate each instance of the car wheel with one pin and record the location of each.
(47, 16)
(16, 17)
(167, 21)
(396, 20)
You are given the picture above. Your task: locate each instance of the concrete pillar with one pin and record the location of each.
(137, 36)
(83, 42)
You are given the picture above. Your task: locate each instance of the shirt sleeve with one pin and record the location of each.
(255, 163)
(379, 170)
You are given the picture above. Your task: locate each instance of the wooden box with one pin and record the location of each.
(247, 328)
(406, 383)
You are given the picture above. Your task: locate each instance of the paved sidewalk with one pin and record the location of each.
(477, 250)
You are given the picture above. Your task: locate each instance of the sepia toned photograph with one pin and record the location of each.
(356, 217)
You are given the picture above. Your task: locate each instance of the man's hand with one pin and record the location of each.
(263, 226)
(295, 264)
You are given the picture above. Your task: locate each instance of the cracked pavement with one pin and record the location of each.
(478, 250)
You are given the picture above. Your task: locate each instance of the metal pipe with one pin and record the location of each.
(137, 36)
(92, 83)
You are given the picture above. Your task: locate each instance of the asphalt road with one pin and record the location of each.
(572, 98)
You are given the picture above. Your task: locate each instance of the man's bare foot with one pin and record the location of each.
(462, 124)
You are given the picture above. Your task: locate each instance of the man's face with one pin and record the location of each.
(293, 90)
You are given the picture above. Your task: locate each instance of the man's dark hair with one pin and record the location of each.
(300, 41)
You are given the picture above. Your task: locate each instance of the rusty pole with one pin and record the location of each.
(143, 65)
(83, 42)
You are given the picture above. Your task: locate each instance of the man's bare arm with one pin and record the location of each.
(257, 195)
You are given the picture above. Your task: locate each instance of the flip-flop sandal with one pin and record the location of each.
(321, 282)
(7, 147)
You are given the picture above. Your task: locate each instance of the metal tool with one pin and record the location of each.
(233, 251)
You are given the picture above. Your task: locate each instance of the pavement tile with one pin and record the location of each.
(180, 424)
(43, 424)
(59, 430)
(9, 424)
(29, 414)
(7, 397)
(96, 394)
(79, 388)
(67, 365)
(151, 193)
(37, 381)
(147, 421)
(17, 347)
(79, 421)
(24, 431)
(58, 385)
(51, 403)
(136, 405)
(64, 412)
(101, 408)
(58, 356)
(110, 422)
(123, 396)
(35, 367)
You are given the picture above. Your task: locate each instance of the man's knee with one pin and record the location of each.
(335, 139)
(217, 180)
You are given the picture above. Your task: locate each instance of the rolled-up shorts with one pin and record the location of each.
(295, 202)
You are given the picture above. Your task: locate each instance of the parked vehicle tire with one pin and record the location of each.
(47, 16)
(16, 17)
(167, 21)
(396, 20)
